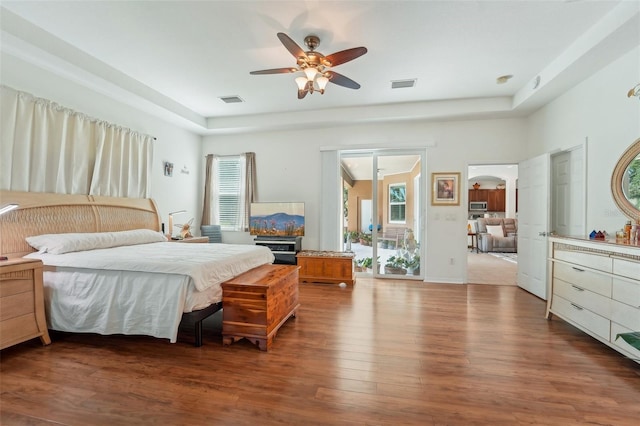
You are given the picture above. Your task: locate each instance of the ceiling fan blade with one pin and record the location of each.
(274, 71)
(345, 55)
(302, 93)
(291, 46)
(341, 80)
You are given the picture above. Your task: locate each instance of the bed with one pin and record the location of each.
(108, 270)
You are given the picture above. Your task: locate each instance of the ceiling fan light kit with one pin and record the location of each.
(315, 65)
(504, 78)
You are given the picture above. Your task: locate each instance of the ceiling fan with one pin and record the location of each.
(315, 65)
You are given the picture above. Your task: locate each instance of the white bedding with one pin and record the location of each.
(142, 289)
(206, 264)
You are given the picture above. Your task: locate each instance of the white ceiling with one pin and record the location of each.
(176, 58)
(360, 166)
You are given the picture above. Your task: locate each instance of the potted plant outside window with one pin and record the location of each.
(365, 239)
(394, 266)
(413, 264)
(366, 264)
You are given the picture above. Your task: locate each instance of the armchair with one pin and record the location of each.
(497, 234)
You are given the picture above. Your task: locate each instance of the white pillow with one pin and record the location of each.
(65, 243)
(495, 230)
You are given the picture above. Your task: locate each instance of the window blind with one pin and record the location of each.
(229, 182)
(397, 203)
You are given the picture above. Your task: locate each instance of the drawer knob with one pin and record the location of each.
(578, 269)
(577, 288)
(576, 306)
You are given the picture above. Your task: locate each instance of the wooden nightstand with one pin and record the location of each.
(192, 240)
(21, 302)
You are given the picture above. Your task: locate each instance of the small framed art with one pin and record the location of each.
(445, 189)
(168, 168)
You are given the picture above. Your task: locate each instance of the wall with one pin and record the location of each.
(288, 162)
(361, 190)
(288, 168)
(599, 111)
(173, 144)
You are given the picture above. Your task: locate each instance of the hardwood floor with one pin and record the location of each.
(382, 353)
(484, 268)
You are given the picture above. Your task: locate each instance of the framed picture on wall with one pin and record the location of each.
(168, 168)
(445, 189)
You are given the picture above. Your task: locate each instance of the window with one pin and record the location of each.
(228, 198)
(397, 203)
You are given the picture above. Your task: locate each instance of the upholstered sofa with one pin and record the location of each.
(497, 234)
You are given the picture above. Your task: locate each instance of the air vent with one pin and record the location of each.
(400, 84)
(536, 82)
(231, 99)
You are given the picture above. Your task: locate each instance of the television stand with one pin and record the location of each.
(283, 248)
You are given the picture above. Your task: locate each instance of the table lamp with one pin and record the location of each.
(170, 235)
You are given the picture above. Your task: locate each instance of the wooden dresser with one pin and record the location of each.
(257, 303)
(326, 267)
(595, 286)
(21, 302)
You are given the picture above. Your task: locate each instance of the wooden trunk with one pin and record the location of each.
(326, 267)
(257, 303)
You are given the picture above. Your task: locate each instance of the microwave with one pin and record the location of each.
(478, 205)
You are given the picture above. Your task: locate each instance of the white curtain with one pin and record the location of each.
(123, 163)
(45, 147)
(250, 190)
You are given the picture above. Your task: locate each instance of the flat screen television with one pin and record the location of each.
(285, 219)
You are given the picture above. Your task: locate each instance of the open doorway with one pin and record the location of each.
(381, 194)
(492, 224)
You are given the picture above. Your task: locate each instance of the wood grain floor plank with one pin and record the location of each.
(384, 352)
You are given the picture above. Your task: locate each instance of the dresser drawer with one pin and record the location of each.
(16, 283)
(593, 281)
(22, 314)
(619, 343)
(19, 329)
(626, 268)
(584, 298)
(625, 315)
(583, 317)
(590, 260)
(17, 305)
(626, 291)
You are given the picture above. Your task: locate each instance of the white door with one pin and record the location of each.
(533, 223)
(568, 195)
(561, 193)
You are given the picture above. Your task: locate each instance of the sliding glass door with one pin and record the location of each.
(383, 204)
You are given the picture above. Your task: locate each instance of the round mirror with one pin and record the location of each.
(625, 182)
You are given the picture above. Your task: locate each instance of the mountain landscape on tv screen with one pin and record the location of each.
(277, 224)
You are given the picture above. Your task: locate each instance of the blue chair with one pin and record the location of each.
(213, 232)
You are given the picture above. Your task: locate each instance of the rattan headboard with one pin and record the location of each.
(46, 213)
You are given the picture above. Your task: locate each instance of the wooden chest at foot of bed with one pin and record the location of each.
(326, 267)
(257, 303)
